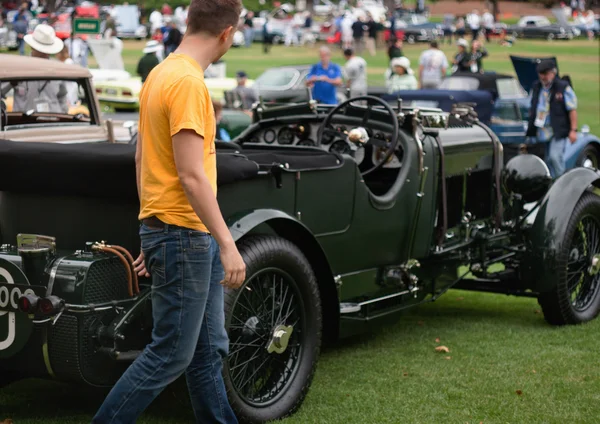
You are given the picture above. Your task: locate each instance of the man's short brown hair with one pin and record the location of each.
(213, 16)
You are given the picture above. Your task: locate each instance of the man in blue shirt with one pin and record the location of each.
(324, 77)
(553, 115)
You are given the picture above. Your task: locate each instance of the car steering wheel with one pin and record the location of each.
(358, 136)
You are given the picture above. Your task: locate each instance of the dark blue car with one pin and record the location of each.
(502, 102)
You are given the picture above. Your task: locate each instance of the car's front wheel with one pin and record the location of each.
(576, 296)
(589, 157)
(274, 326)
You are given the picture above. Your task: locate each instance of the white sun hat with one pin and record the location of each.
(404, 62)
(152, 46)
(44, 40)
(462, 42)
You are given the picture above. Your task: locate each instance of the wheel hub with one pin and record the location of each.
(595, 265)
(280, 339)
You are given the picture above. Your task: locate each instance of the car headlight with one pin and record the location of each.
(423, 32)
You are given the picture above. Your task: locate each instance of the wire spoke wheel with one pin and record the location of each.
(265, 336)
(274, 327)
(575, 298)
(582, 274)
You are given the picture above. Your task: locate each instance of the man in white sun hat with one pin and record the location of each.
(149, 60)
(40, 96)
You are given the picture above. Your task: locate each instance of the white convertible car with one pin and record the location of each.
(118, 89)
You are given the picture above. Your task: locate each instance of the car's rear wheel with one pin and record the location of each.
(411, 39)
(589, 157)
(550, 37)
(274, 326)
(576, 296)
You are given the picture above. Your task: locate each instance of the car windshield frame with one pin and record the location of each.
(291, 82)
(89, 94)
(502, 84)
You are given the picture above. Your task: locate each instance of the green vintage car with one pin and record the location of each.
(344, 215)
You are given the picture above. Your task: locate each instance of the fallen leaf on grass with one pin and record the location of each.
(442, 349)
(460, 298)
(448, 357)
(534, 371)
(537, 311)
(420, 322)
(519, 392)
(405, 374)
(437, 340)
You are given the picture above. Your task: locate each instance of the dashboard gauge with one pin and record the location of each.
(328, 136)
(340, 147)
(302, 131)
(307, 142)
(286, 135)
(270, 136)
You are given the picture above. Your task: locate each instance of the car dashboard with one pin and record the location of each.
(306, 133)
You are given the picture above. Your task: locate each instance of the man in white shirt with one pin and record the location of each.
(432, 67)
(474, 21)
(355, 72)
(156, 20)
(488, 23)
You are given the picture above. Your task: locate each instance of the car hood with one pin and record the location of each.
(525, 68)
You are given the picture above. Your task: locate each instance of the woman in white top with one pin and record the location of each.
(402, 76)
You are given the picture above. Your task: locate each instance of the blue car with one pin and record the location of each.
(502, 102)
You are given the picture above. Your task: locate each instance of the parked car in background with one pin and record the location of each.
(502, 102)
(540, 27)
(287, 84)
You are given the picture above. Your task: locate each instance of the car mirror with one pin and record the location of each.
(585, 129)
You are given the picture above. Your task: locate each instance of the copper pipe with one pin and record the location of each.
(122, 258)
(121, 249)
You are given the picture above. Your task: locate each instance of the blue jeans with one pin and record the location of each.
(248, 36)
(189, 330)
(555, 156)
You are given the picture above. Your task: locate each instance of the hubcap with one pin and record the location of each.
(589, 163)
(595, 266)
(280, 339)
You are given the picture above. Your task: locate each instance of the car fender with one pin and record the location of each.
(548, 231)
(572, 151)
(286, 226)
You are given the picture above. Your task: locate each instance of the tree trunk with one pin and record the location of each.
(495, 10)
(390, 4)
(310, 5)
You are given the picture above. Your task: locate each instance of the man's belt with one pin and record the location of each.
(153, 222)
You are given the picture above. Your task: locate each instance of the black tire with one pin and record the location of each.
(589, 157)
(274, 268)
(573, 265)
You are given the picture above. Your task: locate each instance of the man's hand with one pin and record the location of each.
(234, 267)
(573, 136)
(139, 266)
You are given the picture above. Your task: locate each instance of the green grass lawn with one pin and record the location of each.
(579, 58)
(505, 365)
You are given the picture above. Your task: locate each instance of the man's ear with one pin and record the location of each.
(225, 34)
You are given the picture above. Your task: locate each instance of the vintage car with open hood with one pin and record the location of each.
(344, 215)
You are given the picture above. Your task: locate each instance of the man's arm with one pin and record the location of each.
(138, 164)
(571, 105)
(421, 67)
(188, 152)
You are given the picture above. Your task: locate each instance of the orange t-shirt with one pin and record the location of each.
(173, 97)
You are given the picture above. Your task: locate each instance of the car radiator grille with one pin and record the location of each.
(106, 280)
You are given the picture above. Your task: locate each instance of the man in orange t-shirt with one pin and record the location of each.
(187, 248)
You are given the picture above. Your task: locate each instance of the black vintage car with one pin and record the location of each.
(390, 208)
